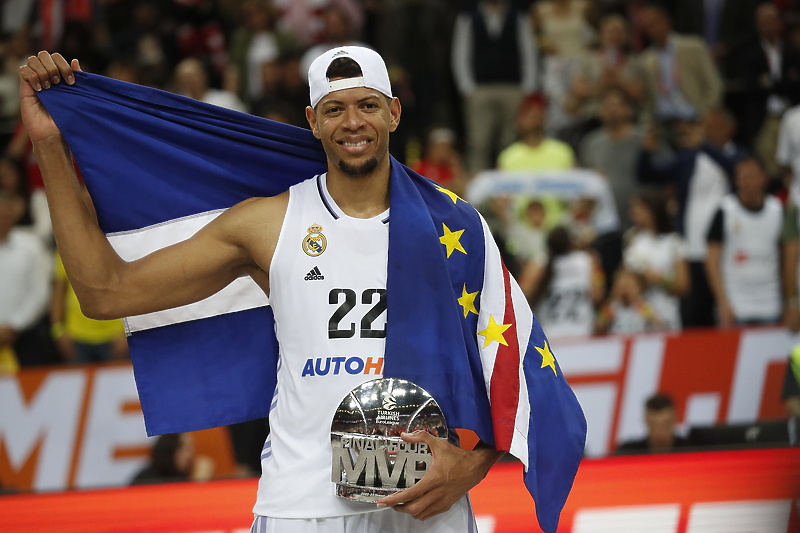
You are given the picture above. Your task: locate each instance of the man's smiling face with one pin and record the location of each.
(354, 125)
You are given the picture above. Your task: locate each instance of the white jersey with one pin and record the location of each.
(328, 293)
(751, 258)
(567, 309)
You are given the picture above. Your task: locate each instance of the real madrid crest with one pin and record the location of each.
(315, 242)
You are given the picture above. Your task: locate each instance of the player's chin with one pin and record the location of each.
(358, 168)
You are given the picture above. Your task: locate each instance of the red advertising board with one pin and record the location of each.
(82, 427)
(753, 491)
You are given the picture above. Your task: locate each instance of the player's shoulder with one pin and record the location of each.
(262, 205)
(253, 216)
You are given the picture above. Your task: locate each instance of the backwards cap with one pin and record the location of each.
(373, 69)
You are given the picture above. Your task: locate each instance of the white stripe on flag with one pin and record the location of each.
(493, 298)
(240, 295)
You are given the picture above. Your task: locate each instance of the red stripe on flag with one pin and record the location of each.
(504, 385)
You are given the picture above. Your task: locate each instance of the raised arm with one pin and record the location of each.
(238, 243)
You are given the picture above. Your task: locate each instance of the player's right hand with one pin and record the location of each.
(41, 72)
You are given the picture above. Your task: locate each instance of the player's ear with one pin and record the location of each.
(394, 113)
(311, 117)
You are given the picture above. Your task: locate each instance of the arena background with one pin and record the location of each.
(81, 428)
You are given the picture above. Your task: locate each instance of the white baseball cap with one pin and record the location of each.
(373, 70)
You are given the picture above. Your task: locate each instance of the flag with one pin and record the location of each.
(159, 167)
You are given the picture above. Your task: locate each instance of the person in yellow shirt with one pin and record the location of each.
(80, 339)
(535, 151)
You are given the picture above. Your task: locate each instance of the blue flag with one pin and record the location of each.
(159, 167)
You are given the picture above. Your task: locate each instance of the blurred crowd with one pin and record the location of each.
(685, 110)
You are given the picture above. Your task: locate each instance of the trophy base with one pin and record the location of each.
(358, 493)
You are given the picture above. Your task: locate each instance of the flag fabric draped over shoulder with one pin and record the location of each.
(159, 167)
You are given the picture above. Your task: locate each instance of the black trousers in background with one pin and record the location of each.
(698, 307)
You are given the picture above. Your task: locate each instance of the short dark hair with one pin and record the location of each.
(343, 67)
(659, 402)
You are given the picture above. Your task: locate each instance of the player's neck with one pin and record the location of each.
(363, 196)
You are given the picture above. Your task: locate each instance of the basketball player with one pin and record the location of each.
(352, 112)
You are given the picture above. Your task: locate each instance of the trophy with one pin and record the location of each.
(370, 460)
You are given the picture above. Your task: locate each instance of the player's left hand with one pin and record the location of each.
(452, 473)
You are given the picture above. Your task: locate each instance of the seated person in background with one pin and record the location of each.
(661, 419)
(627, 309)
(173, 458)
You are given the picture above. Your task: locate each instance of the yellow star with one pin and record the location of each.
(494, 332)
(467, 301)
(451, 240)
(453, 196)
(547, 357)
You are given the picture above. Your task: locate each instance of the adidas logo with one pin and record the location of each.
(314, 274)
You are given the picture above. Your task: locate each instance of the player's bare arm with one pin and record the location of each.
(239, 242)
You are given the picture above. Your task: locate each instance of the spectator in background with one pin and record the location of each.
(15, 15)
(174, 458)
(745, 244)
(293, 89)
(494, 65)
(658, 255)
(772, 84)
(680, 78)
(661, 421)
(563, 27)
(632, 11)
(199, 33)
(414, 37)
(24, 285)
(304, 18)
(441, 161)
(337, 30)
(699, 176)
(788, 152)
(612, 150)
(536, 151)
(726, 26)
(564, 34)
(627, 311)
(150, 41)
(10, 60)
(123, 70)
(525, 235)
(720, 129)
(256, 41)
(80, 339)
(564, 290)
(610, 67)
(12, 180)
(191, 79)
